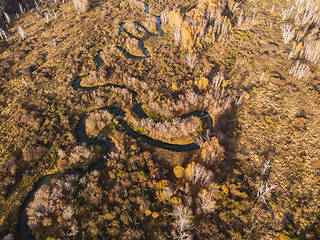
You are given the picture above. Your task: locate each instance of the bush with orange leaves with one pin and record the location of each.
(203, 24)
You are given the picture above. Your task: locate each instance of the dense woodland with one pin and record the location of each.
(251, 67)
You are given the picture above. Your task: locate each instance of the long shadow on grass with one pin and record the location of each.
(227, 217)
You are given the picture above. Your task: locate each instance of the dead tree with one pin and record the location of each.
(263, 192)
(182, 223)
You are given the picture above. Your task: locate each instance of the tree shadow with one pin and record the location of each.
(225, 130)
(227, 218)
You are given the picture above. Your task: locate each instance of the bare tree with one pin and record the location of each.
(233, 6)
(273, 7)
(198, 173)
(195, 172)
(164, 16)
(38, 16)
(74, 230)
(206, 201)
(263, 192)
(286, 12)
(217, 80)
(97, 120)
(10, 236)
(293, 51)
(206, 135)
(22, 33)
(177, 35)
(266, 165)
(81, 5)
(7, 17)
(49, 14)
(167, 192)
(308, 12)
(47, 17)
(25, 83)
(227, 103)
(262, 76)
(300, 70)
(311, 49)
(287, 33)
(21, 9)
(191, 96)
(191, 60)
(206, 177)
(199, 141)
(68, 213)
(113, 155)
(182, 223)
(212, 152)
(3, 35)
(240, 18)
(240, 98)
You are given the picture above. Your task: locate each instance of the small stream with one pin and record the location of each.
(149, 34)
(24, 230)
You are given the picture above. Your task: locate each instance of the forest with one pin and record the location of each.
(145, 119)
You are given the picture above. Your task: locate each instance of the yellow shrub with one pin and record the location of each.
(155, 215)
(189, 169)
(203, 83)
(178, 171)
(147, 212)
(175, 200)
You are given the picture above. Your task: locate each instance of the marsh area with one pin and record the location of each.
(160, 119)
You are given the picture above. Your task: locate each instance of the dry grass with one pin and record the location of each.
(278, 122)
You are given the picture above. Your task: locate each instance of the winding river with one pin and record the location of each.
(24, 230)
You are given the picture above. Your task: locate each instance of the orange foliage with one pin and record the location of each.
(175, 18)
(178, 171)
(197, 28)
(187, 39)
(188, 170)
(202, 83)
